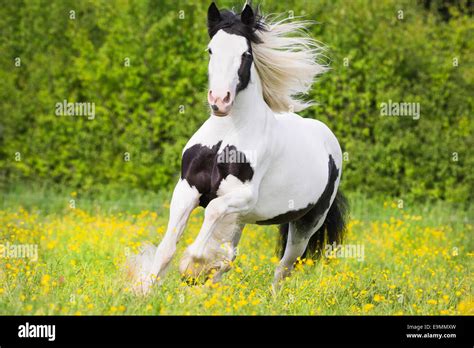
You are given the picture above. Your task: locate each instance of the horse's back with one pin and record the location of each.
(311, 132)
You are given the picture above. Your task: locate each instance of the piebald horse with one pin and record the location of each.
(253, 161)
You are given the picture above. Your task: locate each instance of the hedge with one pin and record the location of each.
(144, 66)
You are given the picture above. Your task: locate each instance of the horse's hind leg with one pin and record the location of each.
(299, 236)
(298, 239)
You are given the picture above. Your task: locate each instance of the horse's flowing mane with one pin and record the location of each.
(286, 60)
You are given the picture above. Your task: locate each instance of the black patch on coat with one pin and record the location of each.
(284, 218)
(334, 226)
(309, 216)
(205, 168)
(244, 70)
(311, 219)
(331, 231)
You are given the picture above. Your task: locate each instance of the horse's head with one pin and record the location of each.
(230, 55)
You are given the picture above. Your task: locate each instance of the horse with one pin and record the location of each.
(254, 160)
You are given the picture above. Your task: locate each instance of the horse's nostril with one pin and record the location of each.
(227, 98)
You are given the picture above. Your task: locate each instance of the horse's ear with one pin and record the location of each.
(247, 16)
(213, 17)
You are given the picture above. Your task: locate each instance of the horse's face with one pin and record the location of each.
(229, 70)
(230, 55)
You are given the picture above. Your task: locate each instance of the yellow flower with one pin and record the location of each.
(51, 244)
(432, 302)
(466, 307)
(242, 303)
(378, 298)
(210, 303)
(274, 259)
(45, 280)
(367, 307)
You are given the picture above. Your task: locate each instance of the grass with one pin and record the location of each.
(417, 260)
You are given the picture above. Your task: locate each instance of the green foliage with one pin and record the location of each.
(138, 107)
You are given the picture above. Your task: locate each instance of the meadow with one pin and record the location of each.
(417, 260)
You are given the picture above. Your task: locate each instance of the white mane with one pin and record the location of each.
(287, 63)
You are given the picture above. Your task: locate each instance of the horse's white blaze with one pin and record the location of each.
(224, 63)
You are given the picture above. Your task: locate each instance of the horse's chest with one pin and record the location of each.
(205, 167)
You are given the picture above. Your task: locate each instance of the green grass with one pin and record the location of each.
(417, 260)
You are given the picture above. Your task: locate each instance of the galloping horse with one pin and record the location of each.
(254, 161)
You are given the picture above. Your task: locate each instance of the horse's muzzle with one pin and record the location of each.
(220, 104)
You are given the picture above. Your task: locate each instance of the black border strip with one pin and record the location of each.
(242, 330)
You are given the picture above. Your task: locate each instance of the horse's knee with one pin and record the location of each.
(213, 211)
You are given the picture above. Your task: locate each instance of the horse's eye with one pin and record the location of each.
(209, 50)
(247, 54)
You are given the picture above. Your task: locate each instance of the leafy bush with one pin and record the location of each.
(149, 109)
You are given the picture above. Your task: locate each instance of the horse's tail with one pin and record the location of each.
(332, 230)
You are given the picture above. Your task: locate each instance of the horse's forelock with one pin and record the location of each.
(231, 23)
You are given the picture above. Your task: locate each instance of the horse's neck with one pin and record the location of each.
(249, 113)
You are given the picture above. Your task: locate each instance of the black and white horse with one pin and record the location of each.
(254, 161)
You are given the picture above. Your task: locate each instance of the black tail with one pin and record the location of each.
(332, 230)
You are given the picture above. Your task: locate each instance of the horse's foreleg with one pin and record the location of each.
(209, 249)
(185, 199)
(237, 233)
